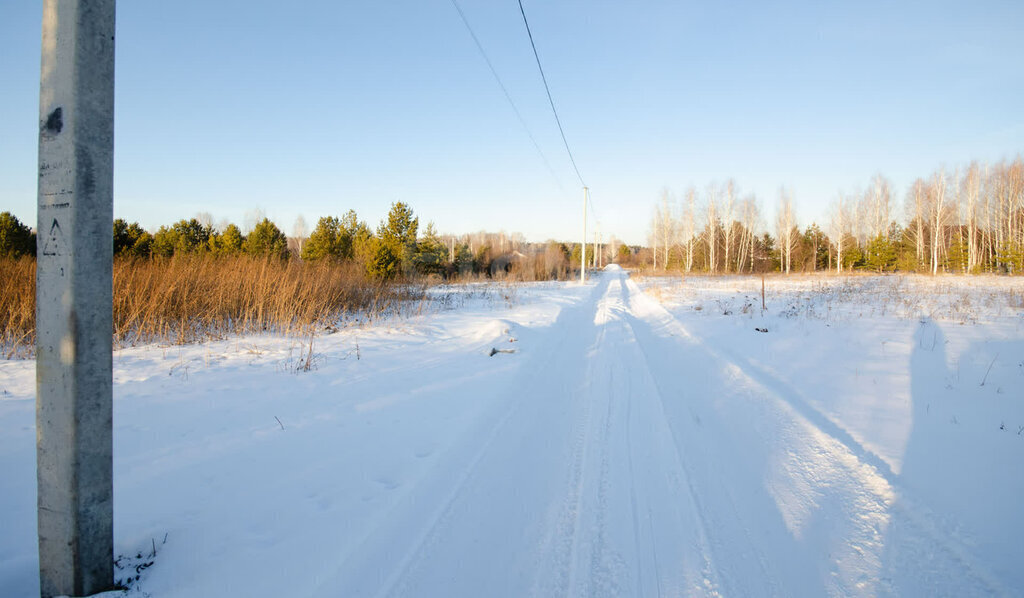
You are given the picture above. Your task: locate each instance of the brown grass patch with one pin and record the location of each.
(17, 305)
(193, 298)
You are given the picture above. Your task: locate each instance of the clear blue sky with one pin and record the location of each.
(317, 107)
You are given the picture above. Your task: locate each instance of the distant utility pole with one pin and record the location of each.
(583, 247)
(73, 298)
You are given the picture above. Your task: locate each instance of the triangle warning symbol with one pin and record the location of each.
(54, 244)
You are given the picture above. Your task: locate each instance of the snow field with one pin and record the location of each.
(893, 368)
(624, 443)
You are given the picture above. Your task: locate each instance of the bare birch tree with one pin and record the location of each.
(919, 211)
(728, 216)
(711, 230)
(667, 225)
(749, 216)
(689, 227)
(990, 214)
(655, 227)
(838, 228)
(970, 190)
(300, 230)
(938, 212)
(786, 221)
(880, 195)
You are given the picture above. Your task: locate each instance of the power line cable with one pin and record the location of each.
(508, 96)
(548, 90)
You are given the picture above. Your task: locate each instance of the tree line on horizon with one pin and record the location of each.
(968, 221)
(191, 281)
(396, 249)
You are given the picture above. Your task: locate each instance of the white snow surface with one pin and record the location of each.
(624, 441)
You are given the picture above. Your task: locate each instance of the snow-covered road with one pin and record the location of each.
(631, 459)
(614, 453)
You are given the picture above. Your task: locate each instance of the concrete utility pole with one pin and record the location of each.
(73, 298)
(583, 246)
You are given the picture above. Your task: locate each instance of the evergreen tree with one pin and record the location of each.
(383, 263)
(767, 256)
(903, 244)
(164, 242)
(364, 245)
(574, 258)
(463, 259)
(353, 232)
(122, 241)
(398, 232)
(16, 239)
(880, 254)
(814, 249)
(431, 254)
(192, 235)
(227, 242)
(1012, 257)
(184, 236)
(131, 240)
(956, 257)
(338, 238)
(853, 256)
(266, 240)
(323, 241)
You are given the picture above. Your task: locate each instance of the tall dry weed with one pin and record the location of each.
(191, 298)
(17, 305)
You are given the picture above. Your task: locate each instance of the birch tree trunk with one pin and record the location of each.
(711, 230)
(938, 210)
(728, 205)
(839, 229)
(970, 192)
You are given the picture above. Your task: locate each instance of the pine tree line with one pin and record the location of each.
(398, 248)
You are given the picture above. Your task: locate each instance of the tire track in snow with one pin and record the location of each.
(633, 504)
(432, 521)
(734, 515)
(401, 582)
(667, 478)
(869, 481)
(583, 520)
(607, 567)
(404, 518)
(444, 514)
(713, 552)
(613, 317)
(602, 579)
(571, 530)
(597, 541)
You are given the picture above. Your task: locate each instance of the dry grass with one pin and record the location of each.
(953, 298)
(17, 305)
(193, 298)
